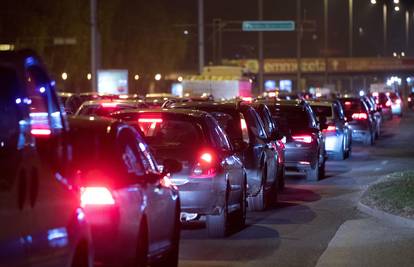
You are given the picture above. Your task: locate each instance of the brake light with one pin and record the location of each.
(303, 138)
(388, 104)
(360, 116)
(150, 120)
(205, 167)
(109, 105)
(348, 103)
(96, 196)
(330, 129)
(248, 99)
(41, 132)
(123, 97)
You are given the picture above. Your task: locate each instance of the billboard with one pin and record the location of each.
(113, 82)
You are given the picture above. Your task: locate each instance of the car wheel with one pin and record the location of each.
(217, 225)
(259, 202)
(281, 179)
(241, 213)
(170, 259)
(312, 174)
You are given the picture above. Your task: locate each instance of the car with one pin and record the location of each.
(396, 104)
(245, 130)
(305, 144)
(360, 120)
(132, 208)
(374, 110)
(276, 142)
(104, 108)
(213, 181)
(156, 100)
(410, 100)
(42, 221)
(338, 136)
(384, 104)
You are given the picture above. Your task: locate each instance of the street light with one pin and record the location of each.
(158, 77)
(397, 8)
(374, 2)
(64, 76)
(89, 76)
(136, 77)
(396, 1)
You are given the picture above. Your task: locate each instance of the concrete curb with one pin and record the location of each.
(382, 215)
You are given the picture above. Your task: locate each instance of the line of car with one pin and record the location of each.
(113, 184)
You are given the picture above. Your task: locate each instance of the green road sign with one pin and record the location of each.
(269, 26)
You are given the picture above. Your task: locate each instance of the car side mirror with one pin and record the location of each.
(171, 166)
(239, 145)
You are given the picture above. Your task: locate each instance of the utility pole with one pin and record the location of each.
(260, 44)
(407, 31)
(94, 47)
(351, 38)
(325, 15)
(299, 45)
(200, 36)
(385, 28)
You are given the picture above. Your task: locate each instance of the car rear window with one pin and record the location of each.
(169, 132)
(322, 111)
(290, 117)
(98, 110)
(352, 106)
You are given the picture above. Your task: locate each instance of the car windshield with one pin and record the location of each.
(290, 117)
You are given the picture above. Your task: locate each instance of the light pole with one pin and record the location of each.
(299, 44)
(325, 15)
(200, 36)
(94, 46)
(260, 44)
(351, 37)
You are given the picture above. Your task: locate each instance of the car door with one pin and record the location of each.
(53, 204)
(231, 164)
(16, 148)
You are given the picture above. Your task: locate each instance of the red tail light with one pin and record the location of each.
(150, 120)
(330, 129)
(41, 132)
(96, 196)
(109, 105)
(205, 167)
(360, 116)
(303, 138)
(388, 104)
(348, 103)
(40, 124)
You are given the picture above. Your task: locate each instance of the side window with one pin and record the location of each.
(132, 163)
(335, 109)
(312, 117)
(44, 110)
(256, 125)
(219, 138)
(268, 122)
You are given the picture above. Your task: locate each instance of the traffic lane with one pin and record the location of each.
(298, 229)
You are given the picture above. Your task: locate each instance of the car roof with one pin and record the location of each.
(118, 101)
(92, 123)
(324, 103)
(182, 112)
(227, 105)
(282, 102)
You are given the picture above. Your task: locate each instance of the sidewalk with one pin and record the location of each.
(369, 242)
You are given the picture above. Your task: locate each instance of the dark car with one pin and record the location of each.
(384, 103)
(305, 146)
(248, 136)
(272, 130)
(212, 182)
(360, 120)
(42, 221)
(133, 209)
(374, 110)
(103, 108)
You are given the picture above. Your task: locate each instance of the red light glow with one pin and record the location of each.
(150, 120)
(96, 196)
(41, 132)
(303, 138)
(109, 105)
(331, 128)
(207, 157)
(348, 103)
(360, 116)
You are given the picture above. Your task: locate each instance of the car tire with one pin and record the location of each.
(217, 225)
(170, 259)
(259, 201)
(240, 215)
(312, 174)
(281, 179)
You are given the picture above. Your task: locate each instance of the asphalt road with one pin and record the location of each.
(310, 219)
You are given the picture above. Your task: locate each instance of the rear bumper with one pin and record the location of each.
(333, 144)
(203, 196)
(300, 159)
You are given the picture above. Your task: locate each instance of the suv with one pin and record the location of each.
(43, 223)
(360, 120)
(248, 137)
(212, 182)
(305, 144)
